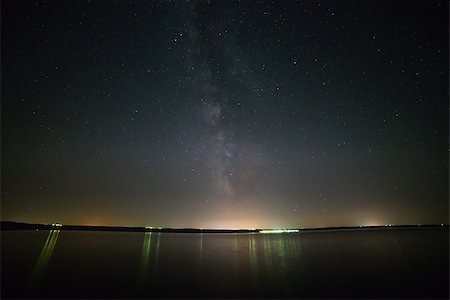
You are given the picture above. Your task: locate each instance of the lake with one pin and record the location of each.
(386, 263)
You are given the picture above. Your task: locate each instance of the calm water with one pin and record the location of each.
(408, 263)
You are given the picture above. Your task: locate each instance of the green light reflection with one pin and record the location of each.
(45, 255)
(201, 247)
(235, 255)
(267, 250)
(145, 256)
(200, 258)
(156, 254)
(253, 257)
(281, 253)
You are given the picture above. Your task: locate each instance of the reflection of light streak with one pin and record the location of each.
(281, 257)
(253, 256)
(235, 255)
(201, 246)
(291, 246)
(156, 254)
(45, 255)
(267, 251)
(281, 251)
(145, 255)
(278, 231)
(200, 257)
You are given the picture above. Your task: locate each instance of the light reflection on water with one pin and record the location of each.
(45, 255)
(235, 252)
(264, 253)
(145, 256)
(200, 258)
(155, 266)
(225, 265)
(253, 257)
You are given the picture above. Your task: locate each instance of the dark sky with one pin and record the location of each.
(224, 113)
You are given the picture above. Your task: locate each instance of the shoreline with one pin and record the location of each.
(10, 225)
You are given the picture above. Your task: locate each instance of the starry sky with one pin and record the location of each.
(225, 114)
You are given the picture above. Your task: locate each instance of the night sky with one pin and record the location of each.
(225, 114)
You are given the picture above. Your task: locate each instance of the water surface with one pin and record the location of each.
(395, 263)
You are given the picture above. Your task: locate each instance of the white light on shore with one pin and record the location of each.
(279, 231)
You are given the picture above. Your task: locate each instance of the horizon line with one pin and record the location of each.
(261, 230)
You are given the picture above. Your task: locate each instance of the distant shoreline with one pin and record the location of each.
(10, 225)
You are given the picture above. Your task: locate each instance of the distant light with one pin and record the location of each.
(279, 231)
(148, 227)
(442, 224)
(56, 225)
